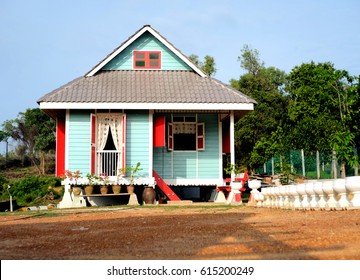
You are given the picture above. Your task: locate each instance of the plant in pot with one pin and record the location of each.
(236, 169)
(116, 187)
(105, 182)
(92, 181)
(133, 171)
(73, 178)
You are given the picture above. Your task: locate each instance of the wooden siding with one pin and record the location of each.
(79, 153)
(124, 60)
(208, 160)
(185, 166)
(192, 164)
(137, 140)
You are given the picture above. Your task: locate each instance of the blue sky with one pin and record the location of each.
(44, 44)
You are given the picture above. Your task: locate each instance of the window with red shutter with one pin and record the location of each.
(147, 59)
(185, 134)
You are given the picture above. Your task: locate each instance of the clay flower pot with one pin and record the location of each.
(104, 189)
(76, 190)
(89, 189)
(130, 189)
(116, 189)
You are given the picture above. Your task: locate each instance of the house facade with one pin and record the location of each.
(147, 102)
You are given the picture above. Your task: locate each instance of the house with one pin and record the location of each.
(147, 102)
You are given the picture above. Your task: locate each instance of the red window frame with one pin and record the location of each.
(200, 136)
(146, 60)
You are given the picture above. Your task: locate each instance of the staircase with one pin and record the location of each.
(165, 188)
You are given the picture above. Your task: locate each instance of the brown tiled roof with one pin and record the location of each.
(129, 86)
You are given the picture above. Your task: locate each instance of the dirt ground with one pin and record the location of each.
(181, 233)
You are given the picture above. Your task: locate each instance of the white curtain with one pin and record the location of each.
(184, 128)
(115, 126)
(106, 122)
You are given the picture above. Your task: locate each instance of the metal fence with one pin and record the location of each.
(315, 165)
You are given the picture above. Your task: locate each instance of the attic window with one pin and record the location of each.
(147, 59)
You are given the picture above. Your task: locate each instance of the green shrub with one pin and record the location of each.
(32, 188)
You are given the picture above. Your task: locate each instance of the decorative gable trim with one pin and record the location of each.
(145, 28)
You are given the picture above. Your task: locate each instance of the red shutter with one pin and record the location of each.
(226, 137)
(170, 137)
(159, 131)
(200, 136)
(123, 151)
(60, 146)
(93, 143)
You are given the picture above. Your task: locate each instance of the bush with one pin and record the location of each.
(3, 185)
(33, 188)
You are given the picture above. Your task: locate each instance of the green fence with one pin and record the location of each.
(315, 165)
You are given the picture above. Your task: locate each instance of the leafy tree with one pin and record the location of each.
(324, 110)
(266, 86)
(208, 65)
(250, 60)
(35, 132)
(4, 138)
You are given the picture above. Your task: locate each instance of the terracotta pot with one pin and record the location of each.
(116, 189)
(89, 189)
(149, 195)
(104, 189)
(76, 190)
(130, 189)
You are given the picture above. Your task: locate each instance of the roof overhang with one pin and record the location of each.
(150, 106)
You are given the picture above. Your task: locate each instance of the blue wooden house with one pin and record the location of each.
(147, 102)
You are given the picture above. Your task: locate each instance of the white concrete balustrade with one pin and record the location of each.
(329, 194)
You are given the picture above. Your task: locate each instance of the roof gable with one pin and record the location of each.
(145, 38)
(146, 42)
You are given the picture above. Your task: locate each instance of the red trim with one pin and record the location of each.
(226, 138)
(93, 143)
(200, 135)
(165, 187)
(159, 131)
(60, 146)
(146, 61)
(123, 152)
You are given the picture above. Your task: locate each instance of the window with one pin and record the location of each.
(185, 134)
(147, 59)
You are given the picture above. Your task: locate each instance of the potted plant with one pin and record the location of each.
(116, 187)
(92, 181)
(133, 171)
(238, 170)
(105, 182)
(73, 178)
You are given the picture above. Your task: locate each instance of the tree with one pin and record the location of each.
(208, 65)
(266, 86)
(4, 138)
(324, 110)
(250, 60)
(35, 132)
